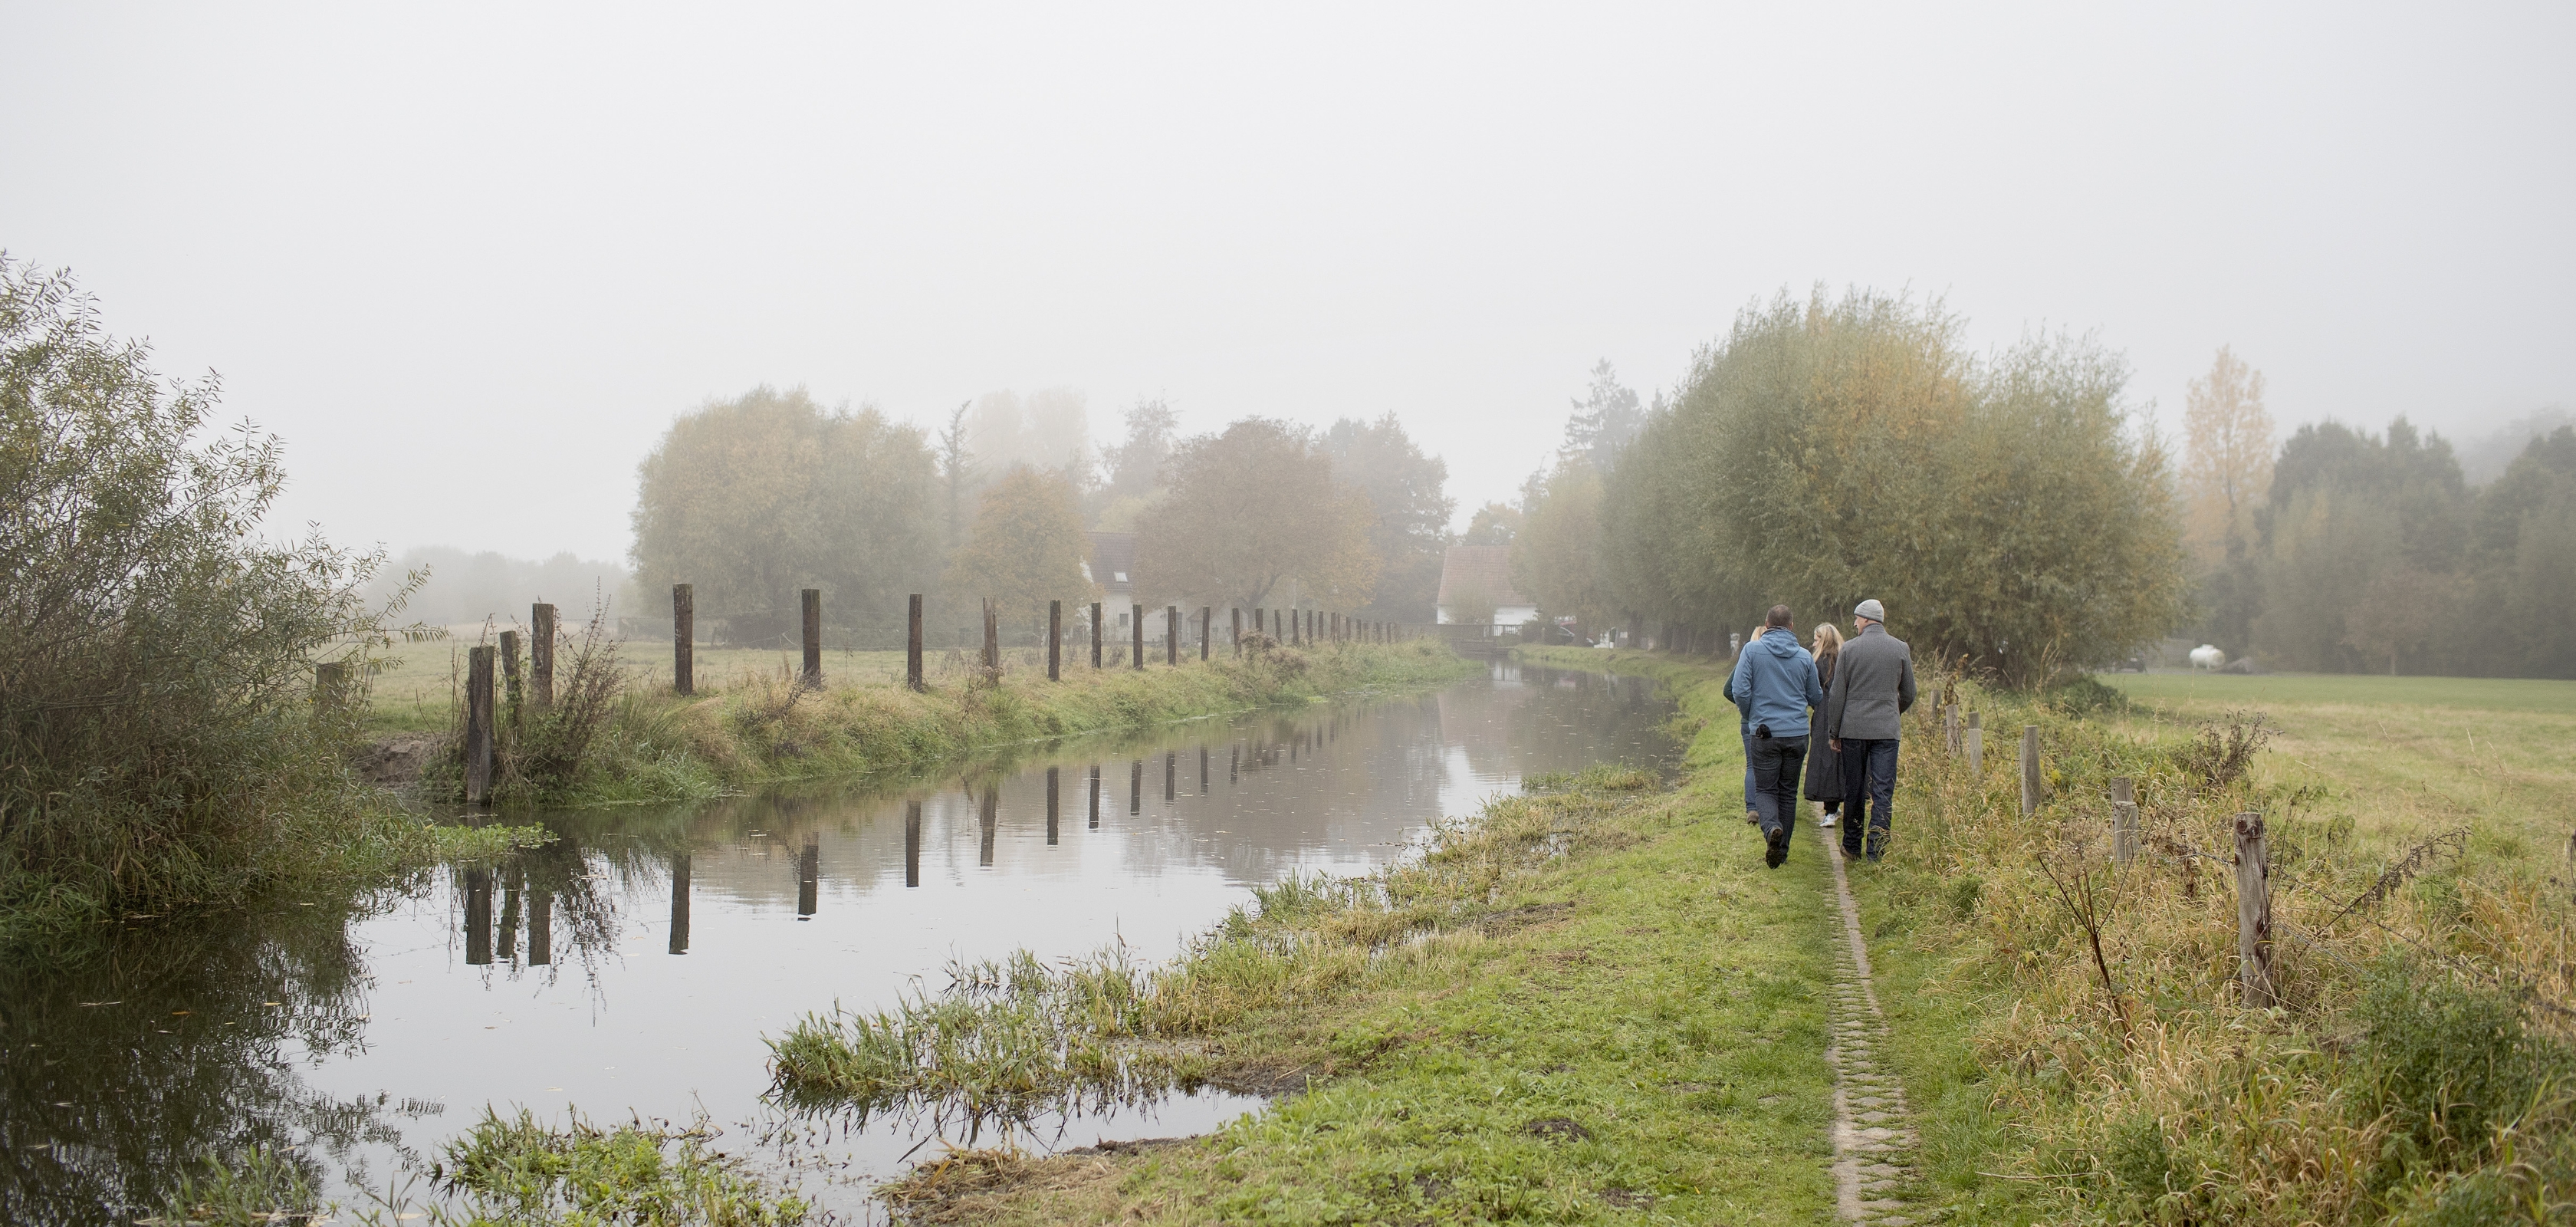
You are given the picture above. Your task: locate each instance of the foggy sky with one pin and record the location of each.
(470, 260)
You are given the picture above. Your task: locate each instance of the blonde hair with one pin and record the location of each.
(1829, 640)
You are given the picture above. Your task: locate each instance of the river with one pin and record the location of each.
(635, 965)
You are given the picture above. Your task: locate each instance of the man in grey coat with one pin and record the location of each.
(1873, 685)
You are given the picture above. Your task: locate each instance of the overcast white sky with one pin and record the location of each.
(470, 260)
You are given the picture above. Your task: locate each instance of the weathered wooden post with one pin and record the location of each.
(1095, 634)
(330, 686)
(1950, 728)
(1055, 670)
(1171, 634)
(478, 725)
(2254, 912)
(1236, 613)
(2124, 820)
(2030, 782)
(1207, 617)
(684, 638)
(912, 646)
(541, 655)
(511, 693)
(812, 601)
(1976, 736)
(1136, 625)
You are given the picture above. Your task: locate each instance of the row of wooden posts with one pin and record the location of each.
(2252, 862)
(1296, 626)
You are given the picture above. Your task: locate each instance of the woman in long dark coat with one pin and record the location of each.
(1824, 767)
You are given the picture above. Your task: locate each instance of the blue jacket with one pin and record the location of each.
(1775, 683)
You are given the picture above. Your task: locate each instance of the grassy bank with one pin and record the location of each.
(642, 742)
(1590, 1002)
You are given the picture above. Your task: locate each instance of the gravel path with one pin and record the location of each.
(1872, 1142)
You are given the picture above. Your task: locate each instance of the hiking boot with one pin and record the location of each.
(1775, 846)
(1752, 818)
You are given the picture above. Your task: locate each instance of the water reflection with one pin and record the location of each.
(540, 981)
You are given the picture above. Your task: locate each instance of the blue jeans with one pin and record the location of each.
(1869, 786)
(1775, 762)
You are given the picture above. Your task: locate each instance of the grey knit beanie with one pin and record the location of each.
(1871, 610)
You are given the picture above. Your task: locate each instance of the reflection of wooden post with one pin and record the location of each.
(2030, 781)
(541, 927)
(684, 638)
(1136, 626)
(1055, 641)
(2254, 912)
(812, 601)
(680, 904)
(809, 875)
(541, 655)
(1976, 747)
(478, 914)
(2124, 820)
(988, 822)
(912, 647)
(1136, 786)
(1171, 767)
(1051, 807)
(1203, 771)
(912, 843)
(1095, 634)
(1095, 796)
(478, 725)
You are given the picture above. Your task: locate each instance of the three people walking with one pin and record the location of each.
(1832, 711)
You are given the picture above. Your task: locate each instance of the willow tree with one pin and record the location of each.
(1831, 450)
(754, 498)
(1247, 512)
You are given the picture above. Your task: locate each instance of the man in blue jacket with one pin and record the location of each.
(1775, 687)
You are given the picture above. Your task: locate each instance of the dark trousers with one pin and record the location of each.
(1775, 763)
(1869, 787)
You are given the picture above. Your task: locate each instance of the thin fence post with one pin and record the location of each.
(2030, 783)
(2124, 820)
(812, 601)
(330, 686)
(512, 694)
(1171, 634)
(1976, 746)
(912, 646)
(684, 638)
(1950, 727)
(2254, 912)
(1236, 613)
(541, 655)
(1136, 628)
(992, 638)
(1095, 639)
(1207, 615)
(1055, 671)
(478, 725)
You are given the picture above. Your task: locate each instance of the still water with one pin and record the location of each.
(634, 966)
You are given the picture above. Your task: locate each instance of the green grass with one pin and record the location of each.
(2305, 690)
(1597, 952)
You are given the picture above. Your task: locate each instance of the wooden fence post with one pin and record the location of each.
(1171, 634)
(2254, 912)
(1950, 727)
(1976, 736)
(330, 686)
(1055, 672)
(684, 638)
(912, 645)
(541, 655)
(992, 638)
(478, 725)
(1207, 618)
(2030, 784)
(1236, 613)
(511, 693)
(1095, 635)
(2124, 820)
(1136, 627)
(812, 601)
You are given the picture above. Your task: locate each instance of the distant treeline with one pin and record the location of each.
(1826, 451)
(462, 587)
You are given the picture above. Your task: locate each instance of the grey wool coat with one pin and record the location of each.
(1873, 685)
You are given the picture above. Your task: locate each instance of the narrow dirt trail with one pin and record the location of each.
(1873, 1145)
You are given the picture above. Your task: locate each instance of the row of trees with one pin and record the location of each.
(754, 498)
(2349, 551)
(2006, 510)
